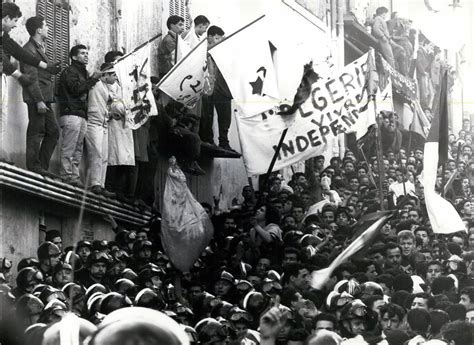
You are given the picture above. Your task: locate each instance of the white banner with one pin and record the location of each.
(185, 81)
(133, 73)
(245, 61)
(337, 104)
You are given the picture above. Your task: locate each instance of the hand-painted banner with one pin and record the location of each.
(133, 73)
(185, 81)
(403, 85)
(338, 104)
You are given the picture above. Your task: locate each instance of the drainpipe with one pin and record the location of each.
(337, 28)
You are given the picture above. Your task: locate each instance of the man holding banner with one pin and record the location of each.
(167, 47)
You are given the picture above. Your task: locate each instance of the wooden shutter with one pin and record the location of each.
(178, 8)
(56, 15)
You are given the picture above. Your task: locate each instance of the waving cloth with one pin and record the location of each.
(186, 228)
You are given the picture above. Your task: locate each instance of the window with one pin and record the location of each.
(56, 14)
(178, 8)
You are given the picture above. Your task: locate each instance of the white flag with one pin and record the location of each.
(185, 81)
(320, 278)
(245, 61)
(133, 73)
(182, 48)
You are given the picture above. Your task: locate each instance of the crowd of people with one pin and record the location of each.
(397, 41)
(252, 284)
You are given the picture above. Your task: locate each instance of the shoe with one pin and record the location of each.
(96, 190)
(195, 169)
(77, 183)
(108, 194)
(45, 173)
(226, 146)
(141, 204)
(3, 160)
(122, 198)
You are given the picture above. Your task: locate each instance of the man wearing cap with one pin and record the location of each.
(224, 284)
(48, 256)
(96, 139)
(96, 267)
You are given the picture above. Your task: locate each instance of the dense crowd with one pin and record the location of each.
(253, 282)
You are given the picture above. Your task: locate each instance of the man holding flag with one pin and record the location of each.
(167, 47)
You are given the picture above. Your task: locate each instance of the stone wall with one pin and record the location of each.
(20, 218)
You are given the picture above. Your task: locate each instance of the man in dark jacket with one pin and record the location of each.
(10, 16)
(74, 86)
(43, 131)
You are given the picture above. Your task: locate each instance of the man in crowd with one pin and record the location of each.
(10, 15)
(74, 85)
(167, 47)
(219, 97)
(197, 33)
(96, 138)
(42, 133)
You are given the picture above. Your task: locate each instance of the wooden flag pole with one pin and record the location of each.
(371, 94)
(379, 149)
(137, 48)
(369, 168)
(176, 51)
(272, 164)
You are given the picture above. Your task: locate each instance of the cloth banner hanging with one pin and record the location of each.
(186, 81)
(133, 73)
(338, 104)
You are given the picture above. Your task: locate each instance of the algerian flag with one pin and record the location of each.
(443, 216)
(245, 61)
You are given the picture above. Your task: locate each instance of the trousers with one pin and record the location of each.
(97, 152)
(73, 129)
(224, 117)
(42, 136)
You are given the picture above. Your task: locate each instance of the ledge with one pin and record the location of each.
(25, 181)
(360, 41)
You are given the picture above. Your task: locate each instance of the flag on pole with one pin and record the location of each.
(443, 216)
(133, 73)
(320, 278)
(245, 61)
(182, 48)
(414, 119)
(185, 81)
(378, 89)
(420, 124)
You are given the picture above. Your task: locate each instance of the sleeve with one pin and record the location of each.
(377, 30)
(274, 231)
(74, 84)
(8, 67)
(34, 89)
(14, 49)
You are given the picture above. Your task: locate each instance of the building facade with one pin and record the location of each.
(31, 204)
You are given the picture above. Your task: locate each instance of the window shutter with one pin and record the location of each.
(178, 8)
(56, 15)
